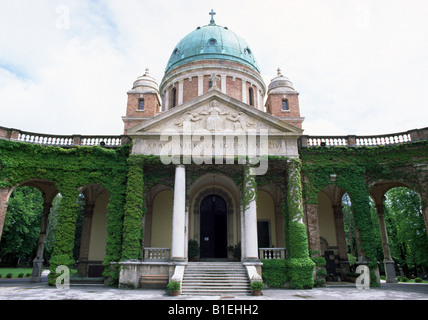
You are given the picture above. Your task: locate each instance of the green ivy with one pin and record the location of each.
(70, 169)
(133, 232)
(249, 188)
(356, 169)
(298, 265)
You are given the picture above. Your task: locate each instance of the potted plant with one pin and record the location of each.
(174, 288)
(257, 287)
(235, 251)
(193, 249)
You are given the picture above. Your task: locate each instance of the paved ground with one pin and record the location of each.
(27, 298)
(22, 289)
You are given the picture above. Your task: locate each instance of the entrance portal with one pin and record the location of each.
(213, 240)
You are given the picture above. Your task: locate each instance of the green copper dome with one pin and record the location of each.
(212, 42)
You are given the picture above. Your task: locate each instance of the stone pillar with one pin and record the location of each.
(387, 259)
(313, 229)
(38, 260)
(180, 92)
(300, 266)
(4, 195)
(166, 102)
(82, 267)
(200, 85)
(223, 84)
(424, 201)
(425, 213)
(341, 239)
(179, 215)
(250, 218)
(244, 91)
(340, 232)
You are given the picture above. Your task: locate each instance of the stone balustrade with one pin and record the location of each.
(63, 140)
(361, 141)
(156, 254)
(304, 141)
(272, 253)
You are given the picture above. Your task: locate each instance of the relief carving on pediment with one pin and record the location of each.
(216, 118)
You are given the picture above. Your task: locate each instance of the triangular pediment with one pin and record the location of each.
(215, 112)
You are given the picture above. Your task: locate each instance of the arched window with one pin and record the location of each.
(284, 104)
(141, 105)
(174, 97)
(250, 96)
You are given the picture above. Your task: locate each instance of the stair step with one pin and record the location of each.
(215, 278)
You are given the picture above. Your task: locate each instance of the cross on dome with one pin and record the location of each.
(212, 13)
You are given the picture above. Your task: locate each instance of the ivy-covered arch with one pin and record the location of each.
(353, 169)
(70, 169)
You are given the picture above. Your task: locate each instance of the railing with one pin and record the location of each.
(375, 140)
(156, 254)
(63, 140)
(383, 140)
(272, 253)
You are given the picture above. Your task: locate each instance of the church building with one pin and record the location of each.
(211, 177)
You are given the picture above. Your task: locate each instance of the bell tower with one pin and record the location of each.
(143, 101)
(283, 101)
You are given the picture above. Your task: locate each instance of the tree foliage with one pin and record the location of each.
(22, 223)
(406, 228)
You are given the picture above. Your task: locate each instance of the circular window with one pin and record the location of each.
(212, 42)
(176, 51)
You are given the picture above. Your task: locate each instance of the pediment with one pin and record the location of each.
(215, 112)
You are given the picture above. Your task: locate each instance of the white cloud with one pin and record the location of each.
(360, 66)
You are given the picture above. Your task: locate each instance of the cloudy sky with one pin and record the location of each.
(361, 67)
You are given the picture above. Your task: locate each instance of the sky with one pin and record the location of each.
(360, 66)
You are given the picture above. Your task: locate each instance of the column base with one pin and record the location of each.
(36, 275)
(251, 261)
(390, 274)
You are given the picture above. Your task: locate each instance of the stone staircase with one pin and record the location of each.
(215, 278)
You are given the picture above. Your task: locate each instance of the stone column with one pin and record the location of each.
(223, 84)
(166, 102)
(424, 201)
(200, 85)
(340, 232)
(313, 229)
(38, 260)
(250, 217)
(82, 269)
(341, 238)
(4, 194)
(244, 91)
(300, 266)
(388, 262)
(180, 92)
(179, 215)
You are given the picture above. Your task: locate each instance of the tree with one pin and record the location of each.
(22, 224)
(406, 229)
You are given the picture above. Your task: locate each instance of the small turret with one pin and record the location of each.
(143, 101)
(283, 100)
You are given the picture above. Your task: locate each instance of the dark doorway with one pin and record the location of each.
(263, 234)
(213, 240)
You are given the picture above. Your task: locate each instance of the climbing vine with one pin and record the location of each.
(298, 265)
(355, 169)
(249, 188)
(70, 170)
(128, 178)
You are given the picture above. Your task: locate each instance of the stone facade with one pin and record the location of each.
(214, 107)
